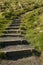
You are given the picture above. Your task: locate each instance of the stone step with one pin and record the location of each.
(10, 39)
(16, 21)
(12, 35)
(16, 42)
(15, 24)
(13, 27)
(12, 31)
(16, 48)
(17, 51)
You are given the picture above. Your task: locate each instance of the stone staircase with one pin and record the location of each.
(13, 32)
(13, 42)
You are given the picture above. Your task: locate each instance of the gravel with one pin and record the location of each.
(24, 61)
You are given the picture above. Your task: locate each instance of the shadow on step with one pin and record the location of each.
(9, 43)
(21, 54)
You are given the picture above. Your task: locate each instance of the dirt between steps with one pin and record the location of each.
(23, 61)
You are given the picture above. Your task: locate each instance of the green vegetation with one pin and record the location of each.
(2, 55)
(10, 9)
(33, 22)
(4, 21)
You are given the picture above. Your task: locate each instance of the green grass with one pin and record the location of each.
(33, 22)
(19, 6)
(4, 23)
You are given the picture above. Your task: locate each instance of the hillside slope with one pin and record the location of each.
(33, 22)
(31, 13)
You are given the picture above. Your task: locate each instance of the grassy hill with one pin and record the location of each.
(33, 18)
(33, 22)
